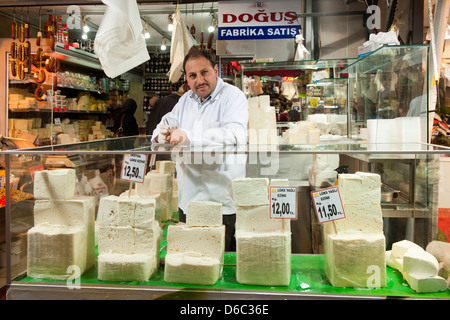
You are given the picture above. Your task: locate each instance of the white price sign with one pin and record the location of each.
(283, 203)
(328, 204)
(133, 167)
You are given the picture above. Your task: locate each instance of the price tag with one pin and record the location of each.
(283, 203)
(328, 204)
(133, 167)
(57, 121)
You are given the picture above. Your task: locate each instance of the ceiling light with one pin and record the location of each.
(84, 24)
(170, 23)
(146, 31)
(211, 29)
(84, 36)
(163, 44)
(213, 24)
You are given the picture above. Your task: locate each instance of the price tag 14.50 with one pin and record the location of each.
(328, 204)
(133, 167)
(283, 203)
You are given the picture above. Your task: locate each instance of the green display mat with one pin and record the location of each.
(307, 277)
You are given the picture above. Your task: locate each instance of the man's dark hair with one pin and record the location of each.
(194, 53)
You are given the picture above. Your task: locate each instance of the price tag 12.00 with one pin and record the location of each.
(133, 167)
(283, 203)
(328, 204)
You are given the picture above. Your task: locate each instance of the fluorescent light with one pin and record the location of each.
(85, 28)
(211, 29)
(84, 36)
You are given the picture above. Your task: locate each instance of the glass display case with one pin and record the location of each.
(409, 175)
(289, 79)
(388, 90)
(326, 105)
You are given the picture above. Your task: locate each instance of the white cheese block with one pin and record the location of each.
(159, 205)
(399, 248)
(52, 249)
(422, 263)
(145, 213)
(191, 269)
(263, 258)
(165, 167)
(314, 136)
(116, 211)
(359, 188)
(155, 182)
(204, 214)
(76, 212)
(355, 259)
(423, 284)
(126, 267)
(395, 263)
(257, 219)
(205, 241)
(58, 184)
(250, 191)
(360, 218)
(128, 240)
(279, 182)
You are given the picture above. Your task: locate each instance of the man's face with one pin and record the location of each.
(201, 76)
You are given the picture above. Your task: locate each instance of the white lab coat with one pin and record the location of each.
(218, 124)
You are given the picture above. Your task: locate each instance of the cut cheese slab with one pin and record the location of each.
(204, 241)
(360, 218)
(257, 219)
(53, 248)
(360, 187)
(126, 267)
(420, 263)
(250, 191)
(263, 258)
(190, 268)
(423, 284)
(165, 166)
(355, 260)
(58, 184)
(204, 214)
(400, 248)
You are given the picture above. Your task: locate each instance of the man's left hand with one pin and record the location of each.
(177, 136)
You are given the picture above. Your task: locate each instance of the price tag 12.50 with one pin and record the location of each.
(133, 167)
(283, 203)
(328, 204)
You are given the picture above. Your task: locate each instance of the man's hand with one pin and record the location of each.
(177, 136)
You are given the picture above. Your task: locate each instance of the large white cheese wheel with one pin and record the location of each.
(250, 191)
(400, 248)
(205, 241)
(420, 263)
(191, 268)
(58, 184)
(51, 249)
(423, 284)
(355, 259)
(263, 258)
(126, 267)
(204, 214)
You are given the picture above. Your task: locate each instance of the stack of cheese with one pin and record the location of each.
(263, 245)
(160, 181)
(322, 172)
(63, 234)
(302, 132)
(418, 267)
(354, 257)
(128, 238)
(195, 250)
(262, 127)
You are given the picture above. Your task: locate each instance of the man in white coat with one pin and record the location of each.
(213, 116)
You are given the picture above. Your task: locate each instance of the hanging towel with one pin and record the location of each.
(119, 43)
(182, 42)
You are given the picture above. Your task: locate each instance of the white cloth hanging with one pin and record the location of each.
(119, 42)
(182, 42)
(301, 53)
